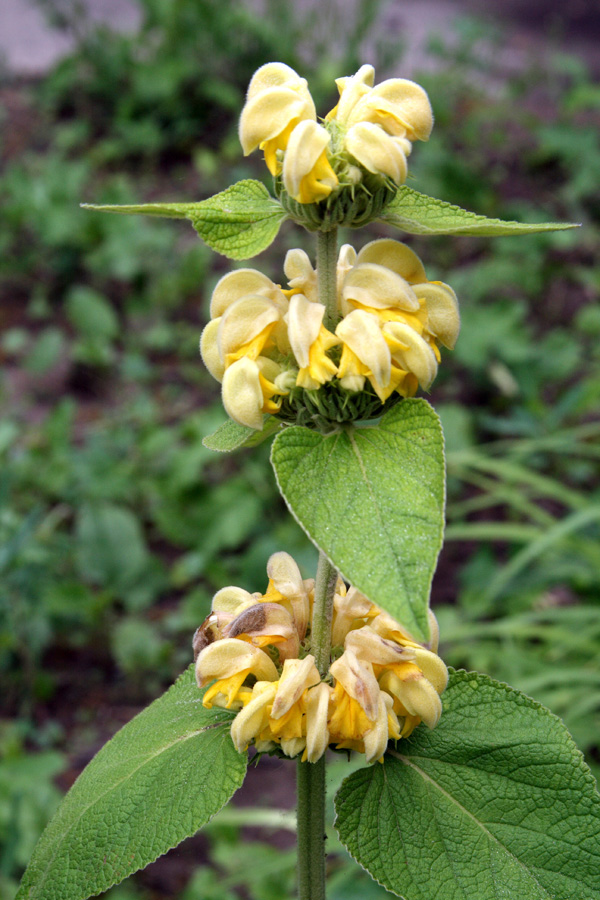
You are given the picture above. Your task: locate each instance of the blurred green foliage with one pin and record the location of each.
(116, 524)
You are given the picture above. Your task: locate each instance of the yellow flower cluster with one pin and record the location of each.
(253, 651)
(370, 129)
(263, 342)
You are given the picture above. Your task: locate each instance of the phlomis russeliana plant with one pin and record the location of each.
(468, 790)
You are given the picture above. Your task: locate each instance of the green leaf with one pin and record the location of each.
(417, 213)
(231, 436)
(159, 780)
(372, 499)
(240, 222)
(495, 804)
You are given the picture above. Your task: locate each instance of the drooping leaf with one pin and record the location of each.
(239, 222)
(159, 780)
(417, 213)
(495, 804)
(231, 436)
(372, 499)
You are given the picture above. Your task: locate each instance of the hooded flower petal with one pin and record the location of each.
(443, 319)
(240, 283)
(245, 328)
(395, 256)
(378, 152)
(378, 287)
(242, 393)
(209, 349)
(310, 342)
(277, 100)
(317, 713)
(286, 584)
(297, 676)
(307, 174)
(399, 106)
(410, 352)
(253, 720)
(360, 332)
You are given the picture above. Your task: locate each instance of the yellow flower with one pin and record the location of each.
(307, 173)
(399, 308)
(370, 126)
(277, 100)
(255, 650)
(380, 122)
(310, 341)
(230, 662)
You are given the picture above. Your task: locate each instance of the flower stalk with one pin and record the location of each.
(310, 777)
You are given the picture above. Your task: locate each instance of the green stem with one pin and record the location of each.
(311, 776)
(327, 252)
(311, 830)
(320, 637)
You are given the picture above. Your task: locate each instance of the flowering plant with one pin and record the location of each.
(469, 788)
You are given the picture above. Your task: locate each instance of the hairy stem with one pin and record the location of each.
(327, 251)
(311, 830)
(311, 776)
(323, 614)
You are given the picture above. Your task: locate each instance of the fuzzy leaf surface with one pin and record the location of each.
(231, 436)
(239, 222)
(159, 780)
(372, 499)
(417, 213)
(495, 804)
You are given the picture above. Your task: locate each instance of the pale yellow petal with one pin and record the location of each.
(361, 332)
(358, 681)
(296, 677)
(376, 739)
(231, 599)
(411, 352)
(443, 318)
(421, 699)
(400, 106)
(209, 349)
(237, 284)
(307, 176)
(242, 322)
(352, 88)
(253, 718)
(227, 657)
(433, 668)
(268, 113)
(273, 75)
(376, 286)
(395, 256)
(377, 151)
(317, 710)
(304, 320)
(242, 393)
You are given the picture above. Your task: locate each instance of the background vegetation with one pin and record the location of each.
(117, 525)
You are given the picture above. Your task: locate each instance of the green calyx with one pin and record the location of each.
(332, 405)
(350, 205)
